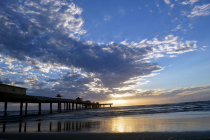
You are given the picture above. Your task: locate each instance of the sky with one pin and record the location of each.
(126, 52)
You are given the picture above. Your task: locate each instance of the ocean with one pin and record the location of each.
(176, 117)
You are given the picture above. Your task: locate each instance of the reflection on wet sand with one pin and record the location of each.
(53, 126)
(113, 125)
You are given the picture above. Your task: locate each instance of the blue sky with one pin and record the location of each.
(130, 52)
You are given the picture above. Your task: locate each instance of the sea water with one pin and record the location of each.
(189, 116)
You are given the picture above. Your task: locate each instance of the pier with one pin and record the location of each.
(69, 104)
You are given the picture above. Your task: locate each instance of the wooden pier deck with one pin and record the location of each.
(68, 103)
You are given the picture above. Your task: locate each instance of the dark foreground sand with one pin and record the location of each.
(108, 136)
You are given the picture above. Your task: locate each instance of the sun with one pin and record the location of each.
(118, 102)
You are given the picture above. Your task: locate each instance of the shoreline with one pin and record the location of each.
(108, 136)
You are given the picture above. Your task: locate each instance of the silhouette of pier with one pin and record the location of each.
(69, 104)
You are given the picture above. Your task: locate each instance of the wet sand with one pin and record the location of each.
(108, 136)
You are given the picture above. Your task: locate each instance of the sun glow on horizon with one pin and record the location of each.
(118, 102)
(121, 95)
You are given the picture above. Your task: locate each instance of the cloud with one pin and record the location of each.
(40, 46)
(121, 11)
(200, 10)
(203, 48)
(167, 1)
(107, 17)
(189, 2)
(177, 27)
(172, 5)
(179, 93)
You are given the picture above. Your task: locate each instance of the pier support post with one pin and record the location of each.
(39, 126)
(50, 126)
(5, 108)
(26, 107)
(21, 108)
(69, 106)
(39, 108)
(20, 127)
(50, 107)
(4, 127)
(110, 105)
(72, 106)
(59, 107)
(76, 107)
(25, 127)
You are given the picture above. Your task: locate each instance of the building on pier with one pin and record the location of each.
(79, 99)
(4, 88)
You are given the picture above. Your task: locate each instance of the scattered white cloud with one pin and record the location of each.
(88, 42)
(121, 11)
(172, 5)
(172, 56)
(107, 17)
(167, 1)
(203, 48)
(200, 10)
(27, 68)
(189, 2)
(177, 28)
(170, 65)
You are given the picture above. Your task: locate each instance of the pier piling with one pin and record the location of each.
(39, 126)
(26, 107)
(21, 108)
(72, 106)
(50, 107)
(20, 126)
(25, 127)
(39, 108)
(5, 108)
(4, 127)
(50, 126)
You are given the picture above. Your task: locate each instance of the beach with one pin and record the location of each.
(108, 136)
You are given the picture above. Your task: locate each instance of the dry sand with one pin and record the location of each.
(108, 136)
